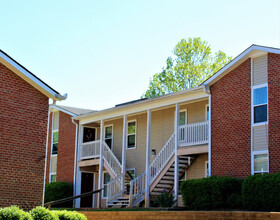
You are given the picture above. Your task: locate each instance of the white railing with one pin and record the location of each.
(137, 187)
(111, 160)
(162, 158)
(193, 134)
(90, 149)
(114, 188)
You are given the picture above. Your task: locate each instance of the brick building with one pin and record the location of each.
(62, 143)
(24, 104)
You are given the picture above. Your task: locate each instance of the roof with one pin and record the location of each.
(252, 51)
(143, 104)
(71, 110)
(29, 77)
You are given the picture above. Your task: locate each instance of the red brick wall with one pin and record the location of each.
(66, 149)
(23, 120)
(274, 112)
(231, 119)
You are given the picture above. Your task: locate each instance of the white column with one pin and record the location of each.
(176, 166)
(101, 159)
(79, 174)
(124, 146)
(209, 136)
(148, 152)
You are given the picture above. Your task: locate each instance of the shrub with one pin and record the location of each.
(70, 215)
(261, 192)
(40, 213)
(58, 190)
(14, 213)
(212, 193)
(165, 199)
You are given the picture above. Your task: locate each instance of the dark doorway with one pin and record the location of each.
(89, 134)
(86, 186)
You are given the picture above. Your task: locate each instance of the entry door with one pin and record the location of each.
(86, 186)
(89, 134)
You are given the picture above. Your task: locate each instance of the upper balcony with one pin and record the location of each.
(189, 135)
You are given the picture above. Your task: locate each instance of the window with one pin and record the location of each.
(260, 163)
(53, 177)
(106, 180)
(207, 112)
(260, 104)
(182, 120)
(55, 142)
(131, 134)
(131, 173)
(206, 169)
(109, 136)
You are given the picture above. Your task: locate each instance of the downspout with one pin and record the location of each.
(208, 91)
(46, 156)
(75, 159)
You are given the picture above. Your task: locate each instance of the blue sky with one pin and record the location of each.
(104, 52)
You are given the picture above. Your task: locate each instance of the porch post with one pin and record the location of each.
(148, 152)
(176, 166)
(124, 146)
(101, 160)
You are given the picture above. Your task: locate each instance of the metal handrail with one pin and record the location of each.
(49, 204)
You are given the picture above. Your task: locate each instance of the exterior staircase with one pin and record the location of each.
(165, 180)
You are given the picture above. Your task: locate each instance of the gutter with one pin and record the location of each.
(75, 159)
(208, 91)
(46, 156)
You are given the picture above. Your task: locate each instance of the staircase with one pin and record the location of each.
(165, 180)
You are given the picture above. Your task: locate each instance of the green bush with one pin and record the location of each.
(58, 190)
(212, 193)
(262, 192)
(40, 213)
(165, 199)
(70, 215)
(14, 213)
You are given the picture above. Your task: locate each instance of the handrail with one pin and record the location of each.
(49, 204)
(137, 186)
(114, 188)
(194, 134)
(112, 160)
(162, 158)
(90, 149)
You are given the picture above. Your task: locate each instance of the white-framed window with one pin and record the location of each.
(52, 177)
(183, 117)
(109, 136)
(55, 141)
(131, 134)
(260, 162)
(259, 104)
(207, 112)
(206, 169)
(89, 134)
(105, 179)
(131, 172)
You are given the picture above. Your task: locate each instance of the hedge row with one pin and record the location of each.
(256, 193)
(58, 190)
(39, 213)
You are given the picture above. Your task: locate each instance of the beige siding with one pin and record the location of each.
(260, 70)
(180, 201)
(260, 137)
(196, 111)
(53, 164)
(56, 120)
(197, 169)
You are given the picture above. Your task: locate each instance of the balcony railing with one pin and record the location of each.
(194, 134)
(90, 149)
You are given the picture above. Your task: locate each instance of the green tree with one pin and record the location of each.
(193, 63)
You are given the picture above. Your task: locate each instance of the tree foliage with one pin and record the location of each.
(193, 63)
